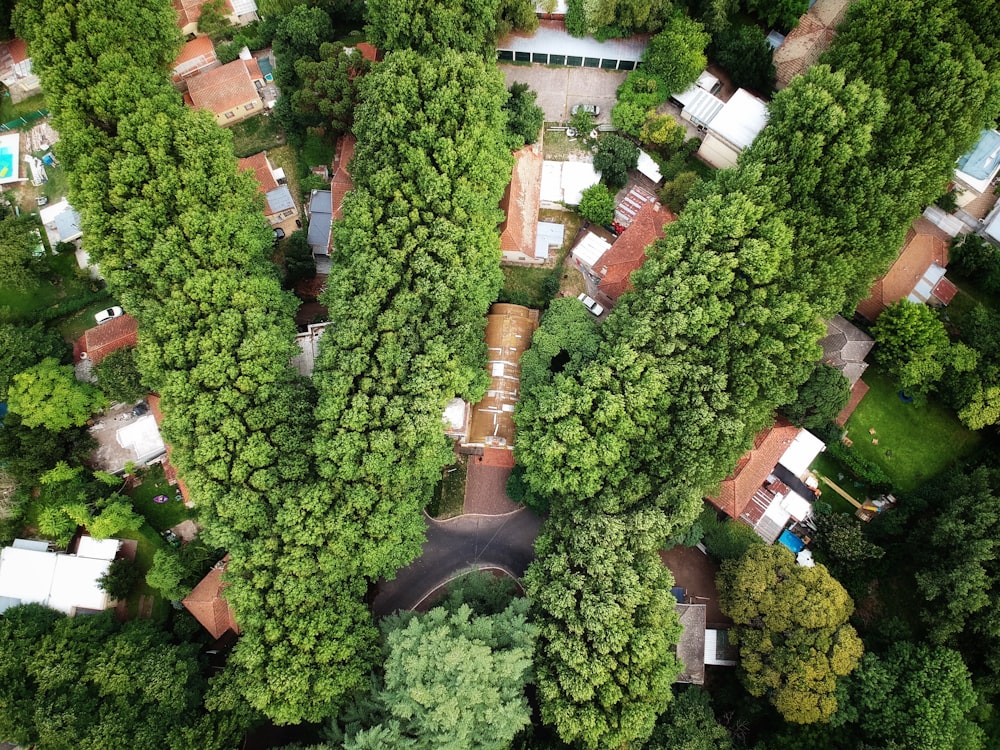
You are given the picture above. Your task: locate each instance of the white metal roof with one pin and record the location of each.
(801, 453)
(648, 167)
(558, 41)
(63, 582)
(590, 249)
(978, 167)
(142, 436)
(740, 120)
(26, 574)
(74, 584)
(992, 229)
(796, 506)
(97, 549)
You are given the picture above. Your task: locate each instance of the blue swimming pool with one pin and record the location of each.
(791, 541)
(266, 69)
(6, 163)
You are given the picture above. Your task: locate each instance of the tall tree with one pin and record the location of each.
(18, 267)
(913, 344)
(820, 399)
(48, 395)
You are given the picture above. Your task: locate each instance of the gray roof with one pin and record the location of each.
(320, 221)
(68, 225)
(691, 648)
(280, 199)
(845, 347)
(554, 41)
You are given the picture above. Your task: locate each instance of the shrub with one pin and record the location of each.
(861, 467)
(598, 205)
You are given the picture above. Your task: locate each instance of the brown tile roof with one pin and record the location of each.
(925, 245)
(200, 46)
(807, 41)
(205, 602)
(189, 11)
(225, 87)
(858, 391)
(368, 51)
(342, 184)
(261, 169)
(100, 341)
(944, 291)
(520, 203)
(18, 50)
(737, 490)
(629, 251)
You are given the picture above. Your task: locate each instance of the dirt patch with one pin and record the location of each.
(694, 571)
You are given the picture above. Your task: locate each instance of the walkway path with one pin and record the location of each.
(459, 544)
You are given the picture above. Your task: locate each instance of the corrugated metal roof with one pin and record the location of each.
(549, 39)
(280, 199)
(741, 119)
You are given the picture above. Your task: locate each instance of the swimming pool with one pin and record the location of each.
(266, 69)
(9, 153)
(6, 163)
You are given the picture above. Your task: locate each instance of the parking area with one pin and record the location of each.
(561, 88)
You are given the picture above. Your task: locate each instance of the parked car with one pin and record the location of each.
(279, 234)
(110, 314)
(591, 304)
(592, 108)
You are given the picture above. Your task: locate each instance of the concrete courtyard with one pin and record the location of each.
(559, 89)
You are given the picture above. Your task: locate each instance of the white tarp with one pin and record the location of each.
(740, 120)
(801, 453)
(74, 584)
(648, 167)
(97, 549)
(143, 437)
(590, 249)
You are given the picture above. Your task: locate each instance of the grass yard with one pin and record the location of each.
(449, 495)
(316, 152)
(148, 542)
(71, 292)
(915, 443)
(256, 134)
(531, 287)
(829, 467)
(10, 111)
(284, 157)
(159, 515)
(557, 146)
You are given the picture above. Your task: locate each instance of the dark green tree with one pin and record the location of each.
(299, 261)
(120, 579)
(614, 158)
(214, 20)
(299, 34)
(119, 378)
(690, 724)
(524, 117)
(22, 346)
(746, 55)
(820, 399)
(912, 344)
(18, 268)
(782, 13)
(327, 92)
(432, 27)
(676, 55)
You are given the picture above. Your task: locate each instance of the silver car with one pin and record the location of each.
(591, 304)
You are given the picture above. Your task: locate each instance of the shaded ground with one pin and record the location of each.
(485, 489)
(463, 543)
(694, 570)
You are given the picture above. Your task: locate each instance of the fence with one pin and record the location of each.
(25, 120)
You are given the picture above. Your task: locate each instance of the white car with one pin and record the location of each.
(591, 108)
(110, 314)
(591, 304)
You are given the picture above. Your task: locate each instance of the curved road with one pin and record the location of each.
(457, 544)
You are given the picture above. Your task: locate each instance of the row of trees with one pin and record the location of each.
(723, 323)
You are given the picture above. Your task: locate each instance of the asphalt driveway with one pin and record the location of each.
(461, 543)
(561, 88)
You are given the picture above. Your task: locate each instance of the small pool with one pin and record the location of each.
(6, 163)
(791, 541)
(266, 69)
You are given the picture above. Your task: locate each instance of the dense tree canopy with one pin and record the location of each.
(792, 631)
(820, 399)
(913, 344)
(524, 117)
(18, 267)
(49, 395)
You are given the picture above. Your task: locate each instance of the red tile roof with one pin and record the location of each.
(806, 42)
(18, 50)
(368, 51)
(100, 341)
(736, 491)
(858, 391)
(205, 602)
(189, 11)
(200, 46)
(342, 183)
(520, 203)
(925, 245)
(945, 291)
(261, 169)
(225, 87)
(629, 251)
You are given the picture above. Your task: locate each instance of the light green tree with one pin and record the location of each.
(48, 395)
(597, 205)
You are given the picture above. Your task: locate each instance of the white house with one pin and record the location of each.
(732, 129)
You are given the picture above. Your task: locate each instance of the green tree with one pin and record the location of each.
(119, 378)
(327, 92)
(299, 34)
(676, 55)
(18, 268)
(913, 344)
(792, 631)
(783, 13)
(674, 193)
(48, 395)
(168, 575)
(614, 158)
(524, 117)
(820, 399)
(690, 724)
(214, 20)
(744, 52)
(606, 18)
(663, 133)
(299, 260)
(915, 696)
(432, 27)
(973, 257)
(120, 579)
(22, 346)
(597, 205)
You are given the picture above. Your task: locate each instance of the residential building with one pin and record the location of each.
(771, 485)
(239, 12)
(918, 274)
(320, 215)
(845, 347)
(279, 207)
(732, 129)
(100, 341)
(691, 645)
(508, 335)
(61, 221)
(231, 92)
(207, 604)
(196, 57)
(551, 44)
(520, 204)
(15, 71)
(978, 169)
(804, 44)
(30, 573)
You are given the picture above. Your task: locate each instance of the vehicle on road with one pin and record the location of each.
(110, 314)
(591, 304)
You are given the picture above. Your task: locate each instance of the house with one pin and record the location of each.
(845, 347)
(98, 342)
(918, 274)
(771, 484)
(520, 204)
(804, 44)
(691, 645)
(563, 182)
(67, 582)
(631, 204)
(991, 226)
(732, 129)
(230, 92)
(15, 71)
(587, 252)
(279, 208)
(508, 336)
(320, 215)
(612, 270)
(61, 222)
(207, 604)
(551, 44)
(196, 57)
(240, 13)
(977, 170)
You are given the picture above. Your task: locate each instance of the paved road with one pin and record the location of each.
(461, 543)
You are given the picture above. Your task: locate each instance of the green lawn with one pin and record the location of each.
(256, 134)
(159, 515)
(914, 442)
(10, 111)
(829, 467)
(69, 290)
(449, 495)
(532, 287)
(148, 542)
(316, 152)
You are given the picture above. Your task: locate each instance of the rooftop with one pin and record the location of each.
(100, 341)
(629, 251)
(845, 347)
(520, 203)
(691, 647)
(226, 87)
(342, 183)
(189, 11)
(978, 167)
(320, 221)
(261, 168)
(740, 119)
(207, 604)
(199, 47)
(805, 43)
(552, 37)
